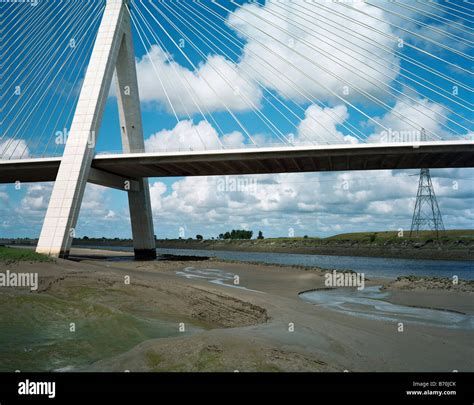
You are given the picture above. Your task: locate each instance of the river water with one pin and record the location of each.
(370, 303)
(371, 266)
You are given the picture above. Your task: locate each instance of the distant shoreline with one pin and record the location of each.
(454, 245)
(430, 251)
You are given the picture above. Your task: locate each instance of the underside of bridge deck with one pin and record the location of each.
(256, 161)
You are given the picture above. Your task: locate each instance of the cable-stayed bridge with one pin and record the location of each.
(114, 169)
(325, 83)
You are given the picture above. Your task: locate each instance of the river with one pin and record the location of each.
(370, 266)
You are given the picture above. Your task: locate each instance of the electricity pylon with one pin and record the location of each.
(426, 215)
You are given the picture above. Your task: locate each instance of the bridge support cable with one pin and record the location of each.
(278, 105)
(319, 83)
(44, 73)
(448, 10)
(448, 35)
(40, 67)
(22, 43)
(210, 86)
(304, 93)
(183, 81)
(371, 40)
(371, 97)
(211, 42)
(264, 119)
(68, 100)
(321, 25)
(214, 91)
(251, 73)
(417, 48)
(444, 10)
(349, 52)
(17, 83)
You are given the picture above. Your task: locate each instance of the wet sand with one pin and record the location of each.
(264, 326)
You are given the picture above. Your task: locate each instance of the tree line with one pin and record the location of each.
(239, 234)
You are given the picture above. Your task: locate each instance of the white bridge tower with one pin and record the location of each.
(113, 51)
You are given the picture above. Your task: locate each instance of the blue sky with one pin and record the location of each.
(232, 59)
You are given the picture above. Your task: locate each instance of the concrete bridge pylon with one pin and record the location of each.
(112, 51)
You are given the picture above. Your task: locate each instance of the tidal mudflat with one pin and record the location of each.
(95, 314)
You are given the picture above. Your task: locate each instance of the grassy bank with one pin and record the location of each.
(383, 236)
(450, 235)
(14, 255)
(448, 245)
(451, 245)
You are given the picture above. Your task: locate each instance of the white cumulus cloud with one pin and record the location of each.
(295, 38)
(322, 203)
(417, 116)
(189, 136)
(319, 126)
(14, 149)
(216, 84)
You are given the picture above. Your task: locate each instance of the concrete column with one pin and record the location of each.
(132, 141)
(61, 217)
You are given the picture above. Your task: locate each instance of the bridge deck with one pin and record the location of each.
(257, 161)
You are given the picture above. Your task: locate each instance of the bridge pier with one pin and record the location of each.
(132, 141)
(113, 50)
